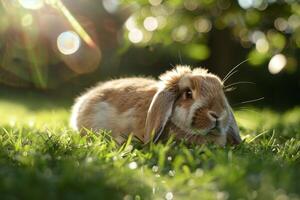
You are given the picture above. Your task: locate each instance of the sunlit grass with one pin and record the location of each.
(18, 115)
(46, 160)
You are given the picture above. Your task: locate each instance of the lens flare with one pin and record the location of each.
(277, 63)
(75, 24)
(68, 42)
(31, 4)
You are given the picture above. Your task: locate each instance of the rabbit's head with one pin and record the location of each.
(194, 101)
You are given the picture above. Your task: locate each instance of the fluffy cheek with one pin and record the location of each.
(180, 117)
(197, 116)
(201, 120)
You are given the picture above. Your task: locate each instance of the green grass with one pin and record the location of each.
(41, 158)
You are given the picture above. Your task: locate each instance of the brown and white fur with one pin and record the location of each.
(188, 103)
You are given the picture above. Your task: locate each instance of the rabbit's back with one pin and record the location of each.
(119, 105)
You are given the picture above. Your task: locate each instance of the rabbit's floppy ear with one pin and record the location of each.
(162, 103)
(158, 114)
(233, 132)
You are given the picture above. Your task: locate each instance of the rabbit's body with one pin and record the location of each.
(188, 103)
(116, 105)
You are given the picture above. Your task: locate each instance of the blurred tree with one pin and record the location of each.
(265, 27)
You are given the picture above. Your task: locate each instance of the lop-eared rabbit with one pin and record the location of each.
(187, 103)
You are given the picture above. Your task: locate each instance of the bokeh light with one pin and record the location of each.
(180, 34)
(262, 45)
(202, 25)
(150, 23)
(135, 35)
(169, 196)
(277, 63)
(32, 4)
(258, 4)
(280, 24)
(190, 5)
(68, 42)
(132, 165)
(111, 6)
(256, 35)
(130, 23)
(245, 3)
(162, 22)
(155, 2)
(294, 21)
(27, 20)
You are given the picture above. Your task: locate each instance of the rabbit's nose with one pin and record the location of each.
(213, 115)
(215, 119)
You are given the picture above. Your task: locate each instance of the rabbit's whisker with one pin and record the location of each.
(230, 89)
(179, 56)
(250, 101)
(229, 74)
(237, 83)
(249, 109)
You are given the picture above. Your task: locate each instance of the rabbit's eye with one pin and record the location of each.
(188, 94)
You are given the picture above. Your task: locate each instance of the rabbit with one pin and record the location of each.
(186, 103)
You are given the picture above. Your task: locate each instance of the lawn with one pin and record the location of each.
(41, 158)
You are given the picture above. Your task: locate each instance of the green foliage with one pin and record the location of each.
(44, 159)
(275, 23)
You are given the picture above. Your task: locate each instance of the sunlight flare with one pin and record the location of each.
(68, 42)
(76, 25)
(32, 4)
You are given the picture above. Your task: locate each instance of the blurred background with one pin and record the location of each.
(57, 48)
